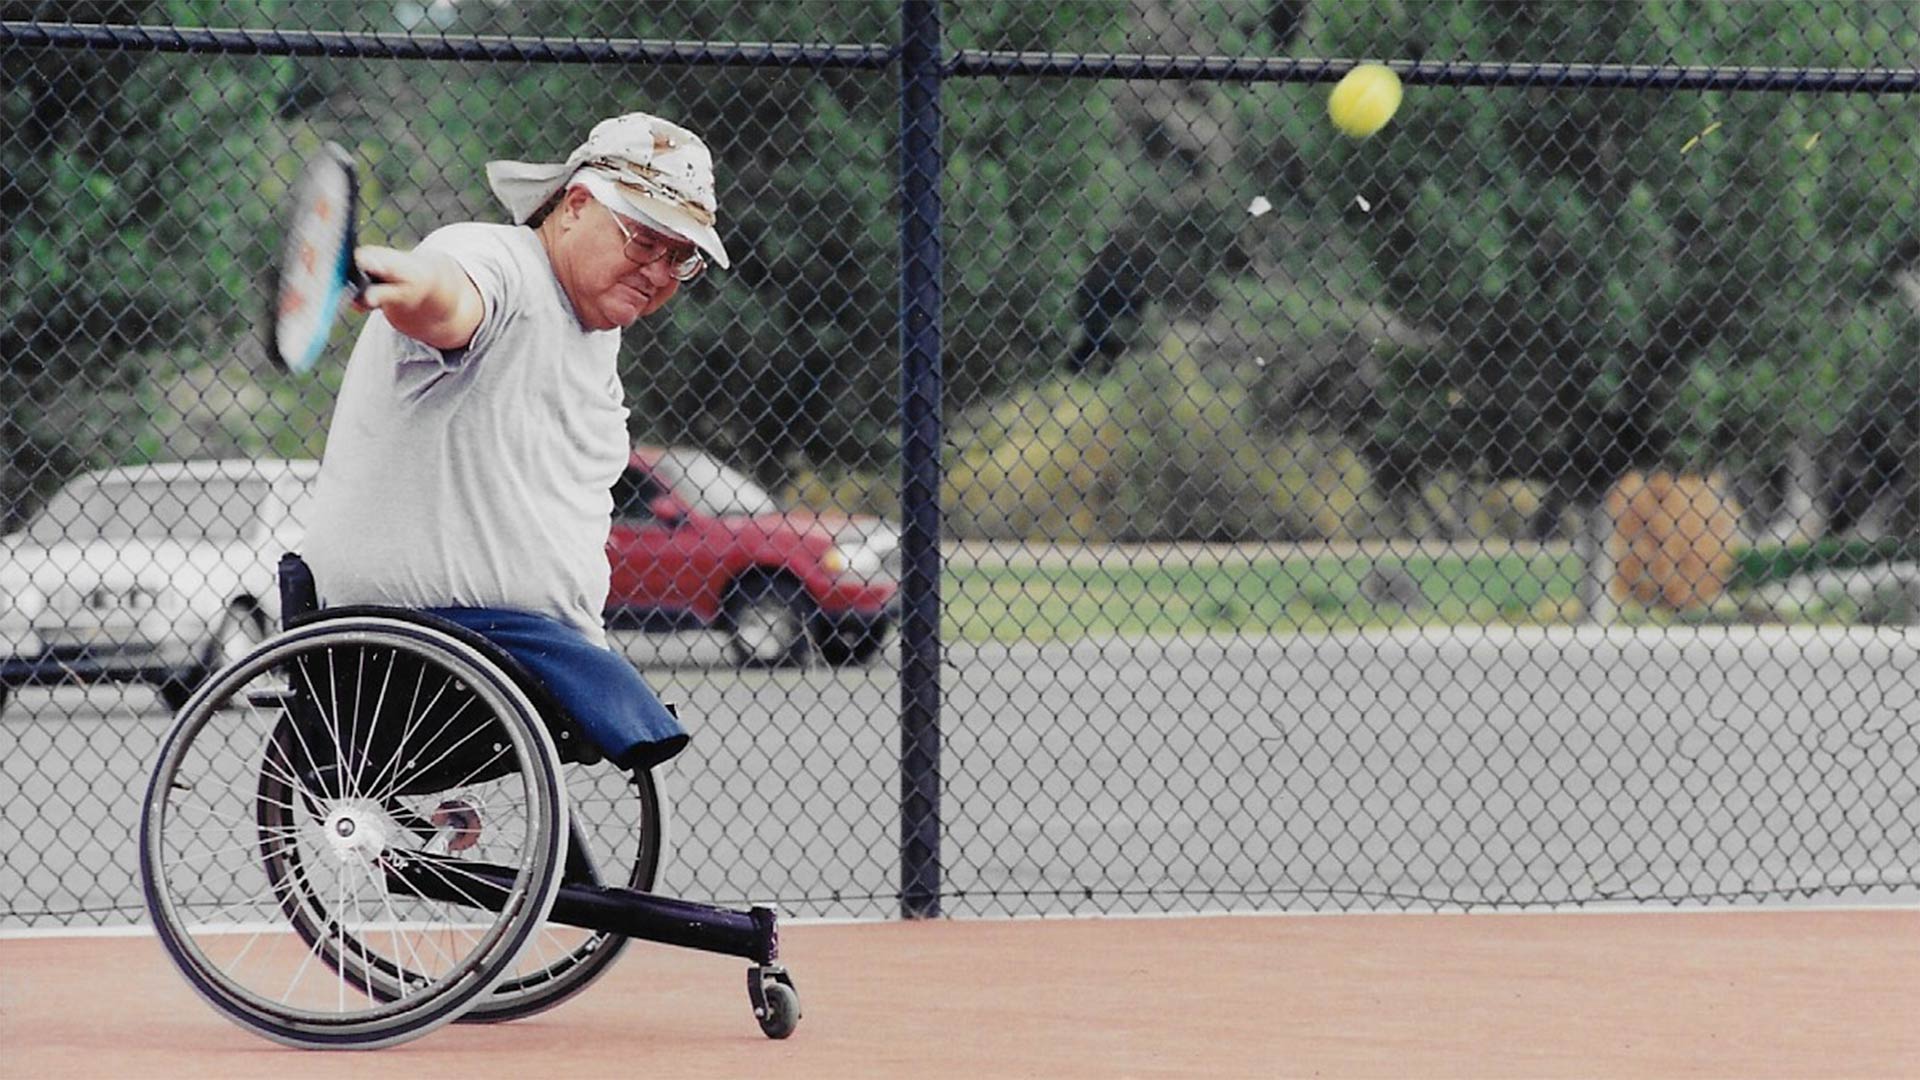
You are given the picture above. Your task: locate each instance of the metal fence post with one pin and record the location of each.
(920, 401)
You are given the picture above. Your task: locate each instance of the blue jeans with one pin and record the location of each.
(613, 705)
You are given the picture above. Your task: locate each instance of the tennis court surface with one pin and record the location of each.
(1735, 993)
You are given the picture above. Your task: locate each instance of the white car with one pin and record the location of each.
(155, 573)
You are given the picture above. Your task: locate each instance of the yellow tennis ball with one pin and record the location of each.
(1364, 101)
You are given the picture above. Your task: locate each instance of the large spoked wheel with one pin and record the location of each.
(619, 823)
(353, 833)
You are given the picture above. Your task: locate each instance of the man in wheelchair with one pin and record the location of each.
(410, 819)
(480, 426)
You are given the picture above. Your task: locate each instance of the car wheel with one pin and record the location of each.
(854, 646)
(176, 691)
(767, 623)
(239, 630)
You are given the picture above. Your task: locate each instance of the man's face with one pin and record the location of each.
(616, 271)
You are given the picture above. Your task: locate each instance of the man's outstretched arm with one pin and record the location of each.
(424, 294)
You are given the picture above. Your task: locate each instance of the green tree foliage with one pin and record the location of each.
(1627, 278)
(127, 223)
(1152, 451)
(1546, 283)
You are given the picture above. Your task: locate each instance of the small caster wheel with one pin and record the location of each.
(782, 1011)
(776, 1004)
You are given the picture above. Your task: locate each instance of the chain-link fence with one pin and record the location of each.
(1518, 506)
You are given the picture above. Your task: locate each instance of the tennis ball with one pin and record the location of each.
(1364, 101)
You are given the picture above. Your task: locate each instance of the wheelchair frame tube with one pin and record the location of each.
(749, 934)
(752, 934)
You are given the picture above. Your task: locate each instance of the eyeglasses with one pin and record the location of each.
(647, 247)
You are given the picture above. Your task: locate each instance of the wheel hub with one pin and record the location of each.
(764, 630)
(354, 834)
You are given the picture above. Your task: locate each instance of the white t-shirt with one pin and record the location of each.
(479, 477)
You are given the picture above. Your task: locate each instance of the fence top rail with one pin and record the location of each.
(963, 63)
(977, 62)
(387, 46)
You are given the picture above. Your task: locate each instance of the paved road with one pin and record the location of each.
(1384, 769)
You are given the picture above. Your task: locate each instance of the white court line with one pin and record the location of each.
(1618, 634)
(1725, 908)
(130, 930)
(1911, 903)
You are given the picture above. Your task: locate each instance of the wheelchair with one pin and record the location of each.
(376, 823)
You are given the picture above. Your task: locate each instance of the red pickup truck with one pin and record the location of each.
(695, 545)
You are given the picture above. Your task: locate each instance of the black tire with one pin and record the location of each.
(176, 691)
(854, 646)
(783, 1009)
(768, 621)
(240, 630)
(334, 822)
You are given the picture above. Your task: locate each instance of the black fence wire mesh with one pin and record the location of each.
(1518, 506)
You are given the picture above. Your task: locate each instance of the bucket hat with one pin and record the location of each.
(663, 170)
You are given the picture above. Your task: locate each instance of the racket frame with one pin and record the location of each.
(347, 280)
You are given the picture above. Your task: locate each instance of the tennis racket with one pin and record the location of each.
(316, 270)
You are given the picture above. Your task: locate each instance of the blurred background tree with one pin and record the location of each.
(1626, 279)
(1521, 292)
(126, 204)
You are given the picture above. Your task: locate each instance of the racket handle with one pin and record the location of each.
(358, 279)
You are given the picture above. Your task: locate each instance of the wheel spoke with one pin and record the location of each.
(415, 714)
